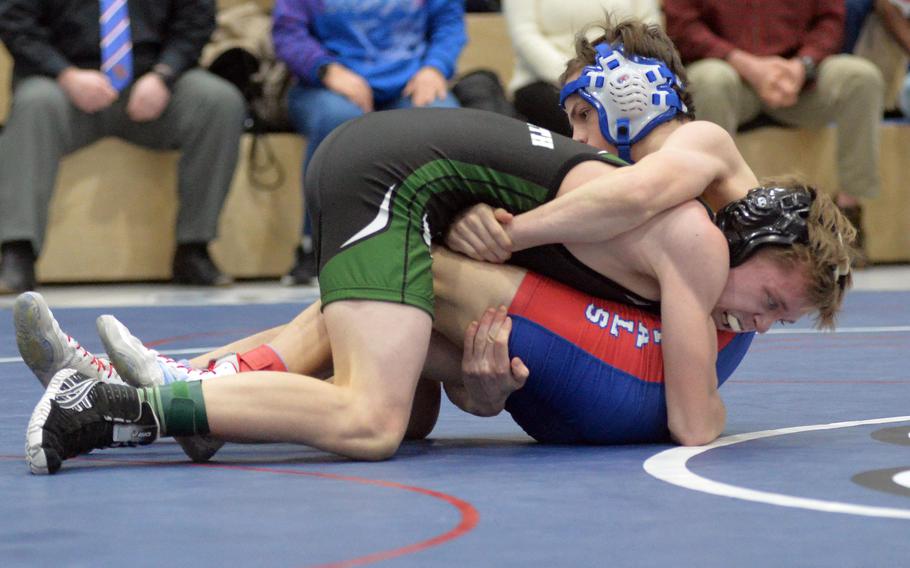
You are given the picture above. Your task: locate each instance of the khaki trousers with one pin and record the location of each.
(848, 93)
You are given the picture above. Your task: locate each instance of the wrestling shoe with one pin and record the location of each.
(140, 366)
(46, 349)
(79, 413)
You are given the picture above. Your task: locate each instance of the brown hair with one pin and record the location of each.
(637, 38)
(828, 257)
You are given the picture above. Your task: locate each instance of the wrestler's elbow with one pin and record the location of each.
(693, 436)
(699, 428)
(663, 187)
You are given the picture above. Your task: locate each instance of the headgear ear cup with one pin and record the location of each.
(632, 95)
(766, 216)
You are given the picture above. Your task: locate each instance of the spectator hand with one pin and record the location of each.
(148, 98)
(481, 233)
(796, 75)
(350, 85)
(88, 89)
(426, 86)
(776, 81)
(489, 377)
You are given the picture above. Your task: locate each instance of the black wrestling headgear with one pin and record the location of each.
(766, 216)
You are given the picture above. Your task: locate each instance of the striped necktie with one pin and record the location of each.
(116, 45)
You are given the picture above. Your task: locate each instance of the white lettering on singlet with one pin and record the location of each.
(604, 319)
(541, 137)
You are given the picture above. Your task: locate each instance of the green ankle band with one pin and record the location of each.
(183, 409)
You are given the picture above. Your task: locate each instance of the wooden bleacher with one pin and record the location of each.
(122, 214)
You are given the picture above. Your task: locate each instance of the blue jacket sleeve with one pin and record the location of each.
(294, 44)
(446, 35)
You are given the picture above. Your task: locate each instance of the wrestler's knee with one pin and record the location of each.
(374, 431)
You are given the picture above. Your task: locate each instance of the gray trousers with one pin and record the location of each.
(204, 120)
(849, 92)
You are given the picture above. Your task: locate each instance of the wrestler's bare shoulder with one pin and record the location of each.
(711, 146)
(689, 226)
(703, 130)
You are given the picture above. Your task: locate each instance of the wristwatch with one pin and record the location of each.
(811, 70)
(166, 73)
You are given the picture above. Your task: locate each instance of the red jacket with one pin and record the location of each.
(789, 28)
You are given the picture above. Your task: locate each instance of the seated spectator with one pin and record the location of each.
(84, 71)
(883, 37)
(352, 57)
(542, 34)
(780, 58)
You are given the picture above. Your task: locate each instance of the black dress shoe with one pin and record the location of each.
(304, 270)
(17, 267)
(193, 266)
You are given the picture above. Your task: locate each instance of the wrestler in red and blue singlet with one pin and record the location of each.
(597, 372)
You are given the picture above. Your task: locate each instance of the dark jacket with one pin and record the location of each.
(47, 36)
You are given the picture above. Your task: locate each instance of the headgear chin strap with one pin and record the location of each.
(632, 95)
(766, 216)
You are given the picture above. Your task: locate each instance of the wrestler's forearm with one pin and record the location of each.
(587, 210)
(690, 431)
(596, 208)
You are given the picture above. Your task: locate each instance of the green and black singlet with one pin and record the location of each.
(380, 188)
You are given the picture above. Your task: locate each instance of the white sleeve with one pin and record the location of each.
(531, 46)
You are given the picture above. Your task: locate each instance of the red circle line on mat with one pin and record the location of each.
(469, 515)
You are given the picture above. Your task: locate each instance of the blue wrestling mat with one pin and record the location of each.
(813, 470)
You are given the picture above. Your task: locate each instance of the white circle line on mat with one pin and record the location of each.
(670, 466)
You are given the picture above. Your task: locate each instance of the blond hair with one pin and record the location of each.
(828, 257)
(637, 38)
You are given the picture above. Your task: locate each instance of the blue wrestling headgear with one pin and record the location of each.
(632, 95)
(766, 216)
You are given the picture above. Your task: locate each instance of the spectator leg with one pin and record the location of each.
(878, 46)
(43, 126)
(849, 93)
(315, 113)
(405, 102)
(720, 96)
(204, 121)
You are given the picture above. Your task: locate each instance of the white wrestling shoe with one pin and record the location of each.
(46, 349)
(143, 367)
